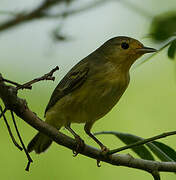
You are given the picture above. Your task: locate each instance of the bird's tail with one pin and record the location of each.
(39, 143)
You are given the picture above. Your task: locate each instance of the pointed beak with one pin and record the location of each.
(144, 50)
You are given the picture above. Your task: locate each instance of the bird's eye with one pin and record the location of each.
(125, 45)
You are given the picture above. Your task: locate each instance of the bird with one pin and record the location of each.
(91, 89)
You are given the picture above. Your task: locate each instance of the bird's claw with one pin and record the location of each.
(79, 146)
(98, 163)
(75, 153)
(104, 150)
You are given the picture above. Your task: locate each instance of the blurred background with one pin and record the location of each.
(33, 48)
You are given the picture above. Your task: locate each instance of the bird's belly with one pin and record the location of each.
(85, 104)
(102, 102)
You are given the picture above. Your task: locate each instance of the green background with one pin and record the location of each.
(146, 109)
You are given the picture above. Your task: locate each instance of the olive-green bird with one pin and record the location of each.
(91, 89)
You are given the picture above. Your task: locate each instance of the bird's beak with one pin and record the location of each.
(144, 50)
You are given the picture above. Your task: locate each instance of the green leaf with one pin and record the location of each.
(161, 150)
(163, 26)
(171, 153)
(141, 151)
(172, 50)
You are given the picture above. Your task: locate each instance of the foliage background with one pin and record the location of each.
(146, 109)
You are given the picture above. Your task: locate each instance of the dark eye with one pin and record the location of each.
(125, 45)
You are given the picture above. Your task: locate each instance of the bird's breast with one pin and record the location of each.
(101, 95)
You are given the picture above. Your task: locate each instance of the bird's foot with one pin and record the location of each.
(104, 151)
(79, 145)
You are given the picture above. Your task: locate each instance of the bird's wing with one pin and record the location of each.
(73, 79)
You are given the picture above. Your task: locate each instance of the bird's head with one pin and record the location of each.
(124, 50)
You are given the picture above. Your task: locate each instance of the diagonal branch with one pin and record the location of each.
(2, 112)
(21, 141)
(11, 82)
(19, 106)
(37, 13)
(48, 76)
(9, 129)
(28, 85)
(42, 12)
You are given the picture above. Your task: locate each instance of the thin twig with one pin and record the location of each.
(36, 13)
(3, 112)
(14, 83)
(48, 76)
(9, 130)
(21, 141)
(28, 85)
(163, 135)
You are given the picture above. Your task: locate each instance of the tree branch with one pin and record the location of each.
(37, 13)
(12, 102)
(48, 76)
(9, 129)
(21, 141)
(41, 12)
(28, 85)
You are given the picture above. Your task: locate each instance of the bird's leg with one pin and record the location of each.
(80, 142)
(87, 128)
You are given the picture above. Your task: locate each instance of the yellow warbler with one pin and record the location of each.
(91, 89)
